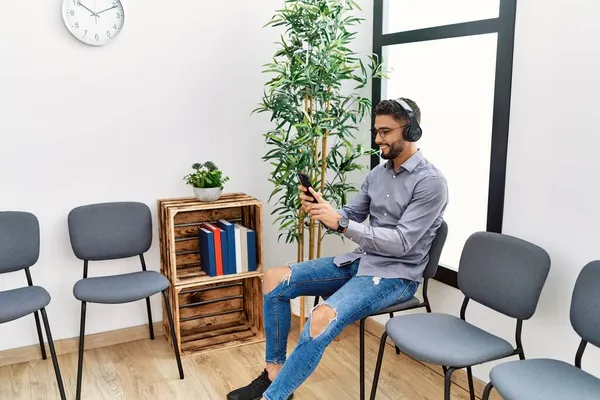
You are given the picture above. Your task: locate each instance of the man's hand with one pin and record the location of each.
(307, 201)
(321, 211)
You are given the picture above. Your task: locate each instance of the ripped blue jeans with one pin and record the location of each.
(352, 298)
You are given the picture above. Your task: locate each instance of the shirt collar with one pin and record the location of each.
(409, 164)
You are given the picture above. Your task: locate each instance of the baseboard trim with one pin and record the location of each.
(71, 345)
(458, 377)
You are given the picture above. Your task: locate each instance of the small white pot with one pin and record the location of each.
(207, 194)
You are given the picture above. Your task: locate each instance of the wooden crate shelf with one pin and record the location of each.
(179, 220)
(210, 313)
(212, 316)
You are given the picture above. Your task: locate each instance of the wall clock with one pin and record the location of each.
(94, 22)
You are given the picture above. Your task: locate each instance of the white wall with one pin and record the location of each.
(552, 185)
(82, 125)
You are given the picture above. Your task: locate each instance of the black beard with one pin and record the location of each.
(395, 149)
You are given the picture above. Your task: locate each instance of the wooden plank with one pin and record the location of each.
(187, 245)
(229, 339)
(198, 216)
(175, 313)
(223, 202)
(217, 306)
(206, 331)
(171, 247)
(208, 293)
(225, 330)
(216, 348)
(183, 260)
(187, 283)
(214, 322)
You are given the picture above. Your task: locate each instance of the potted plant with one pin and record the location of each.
(315, 103)
(207, 181)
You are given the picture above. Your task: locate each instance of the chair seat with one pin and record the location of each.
(400, 306)
(17, 303)
(395, 307)
(443, 339)
(122, 288)
(546, 379)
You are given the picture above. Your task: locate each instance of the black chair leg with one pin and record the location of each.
(378, 366)
(175, 345)
(362, 358)
(40, 336)
(81, 348)
(397, 349)
(471, 387)
(61, 387)
(448, 382)
(317, 300)
(150, 318)
(487, 391)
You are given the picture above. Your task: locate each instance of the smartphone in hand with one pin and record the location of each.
(305, 181)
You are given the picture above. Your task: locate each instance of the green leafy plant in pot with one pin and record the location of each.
(314, 111)
(207, 181)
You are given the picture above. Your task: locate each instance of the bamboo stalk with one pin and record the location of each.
(323, 170)
(300, 247)
(311, 232)
(301, 227)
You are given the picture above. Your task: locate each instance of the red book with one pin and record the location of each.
(218, 253)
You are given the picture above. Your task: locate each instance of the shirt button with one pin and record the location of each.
(385, 214)
(387, 195)
(394, 176)
(365, 252)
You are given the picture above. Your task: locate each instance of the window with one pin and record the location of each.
(456, 63)
(406, 15)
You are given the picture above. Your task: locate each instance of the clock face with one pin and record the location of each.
(94, 22)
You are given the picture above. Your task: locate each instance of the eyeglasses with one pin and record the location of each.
(384, 131)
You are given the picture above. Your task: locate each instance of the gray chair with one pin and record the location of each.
(435, 252)
(113, 231)
(501, 272)
(548, 379)
(20, 250)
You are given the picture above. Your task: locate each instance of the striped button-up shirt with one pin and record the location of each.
(405, 208)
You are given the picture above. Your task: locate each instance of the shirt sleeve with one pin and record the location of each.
(429, 200)
(357, 209)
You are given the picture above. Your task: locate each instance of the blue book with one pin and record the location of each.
(208, 259)
(252, 256)
(229, 228)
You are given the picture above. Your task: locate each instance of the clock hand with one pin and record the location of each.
(108, 9)
(83, 5)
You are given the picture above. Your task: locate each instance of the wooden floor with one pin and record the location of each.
(147, 369)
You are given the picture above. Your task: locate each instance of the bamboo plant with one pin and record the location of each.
(315, 98)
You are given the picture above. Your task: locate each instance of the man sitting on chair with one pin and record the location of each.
(405, 199)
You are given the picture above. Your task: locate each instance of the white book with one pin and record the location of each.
(238, 249)
(244, 246)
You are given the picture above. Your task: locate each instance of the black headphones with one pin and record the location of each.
(412, 132)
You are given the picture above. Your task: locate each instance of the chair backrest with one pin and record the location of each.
(503, 272)
(435, 252)
(585, 304)
(108, 231)
(19, 240)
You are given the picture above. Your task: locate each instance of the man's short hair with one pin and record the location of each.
(393, 108)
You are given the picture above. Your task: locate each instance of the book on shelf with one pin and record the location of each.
(226, 248)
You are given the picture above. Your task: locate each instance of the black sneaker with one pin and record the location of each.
(254, 391)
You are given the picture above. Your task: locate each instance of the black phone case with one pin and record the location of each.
(305, 181)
